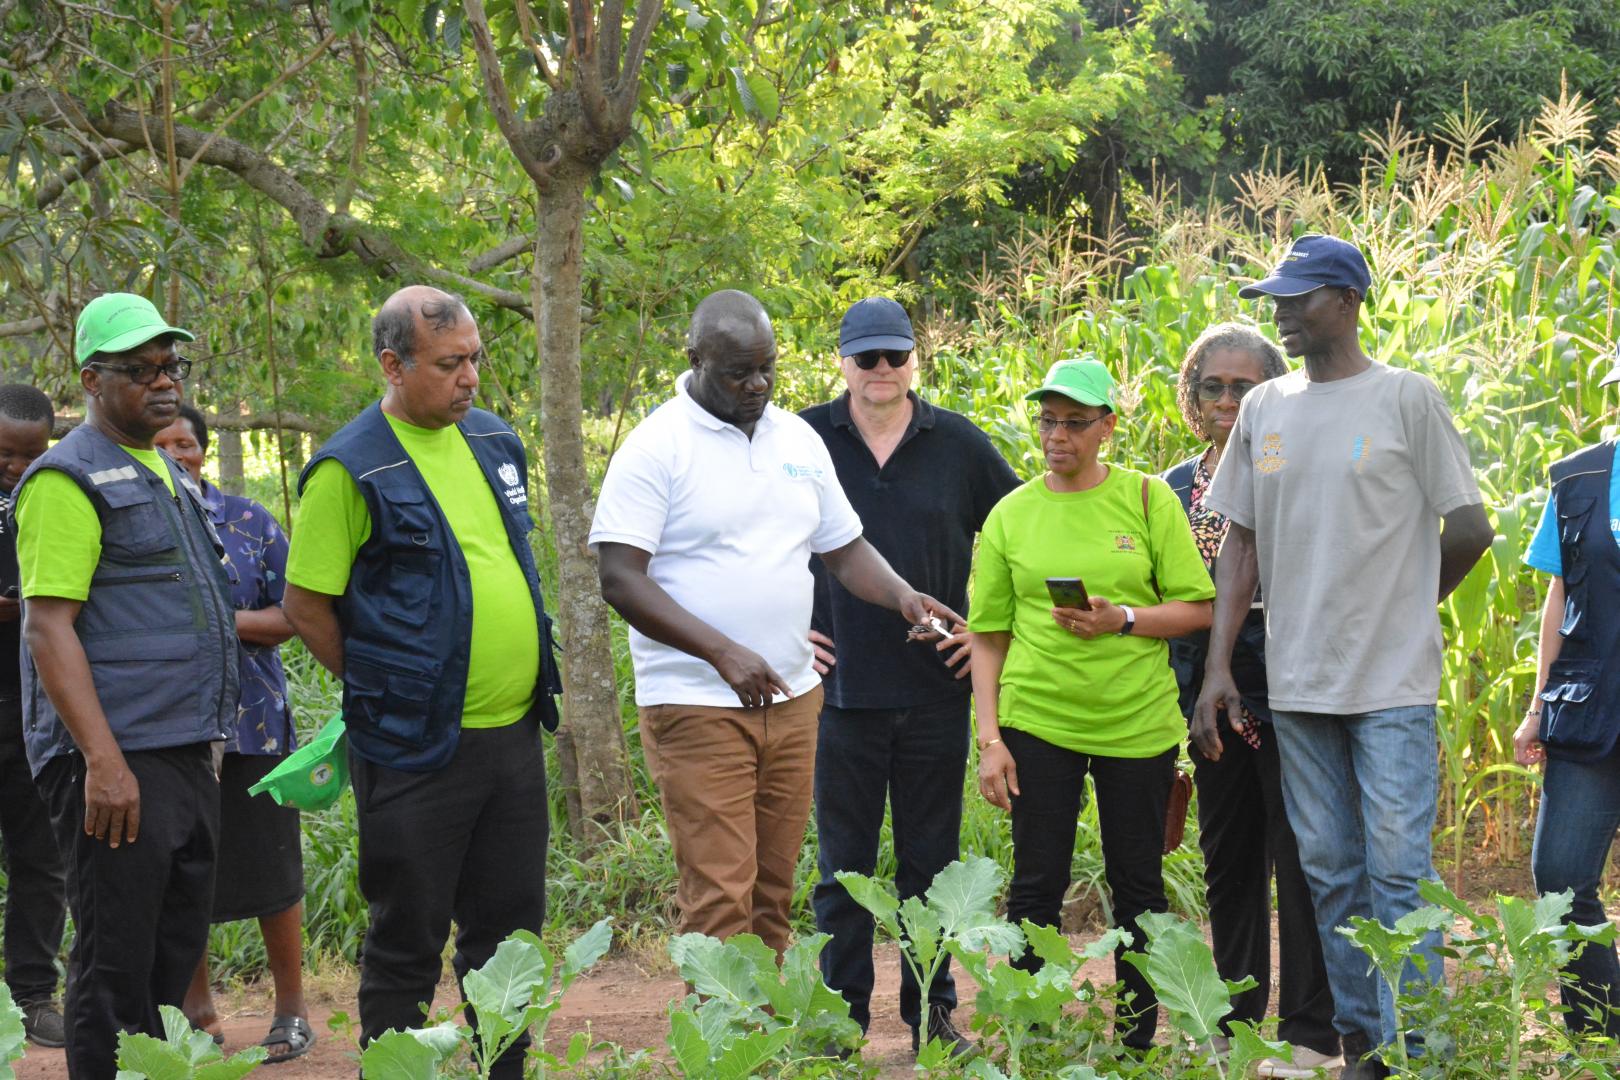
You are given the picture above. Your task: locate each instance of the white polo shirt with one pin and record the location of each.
(730, 523)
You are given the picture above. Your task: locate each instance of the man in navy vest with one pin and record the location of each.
(410, 577)
(129, 678)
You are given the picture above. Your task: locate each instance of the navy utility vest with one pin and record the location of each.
(158, 626)
(406, 615)
(1580, 705)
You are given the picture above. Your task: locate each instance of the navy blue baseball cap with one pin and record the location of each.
(875, 323)
(1314, 261)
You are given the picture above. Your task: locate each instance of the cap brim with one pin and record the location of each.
(1611, 377)
(1276, 285)
(1073, 395)
(876, 341)
(132, 339)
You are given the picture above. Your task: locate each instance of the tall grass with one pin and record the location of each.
(1494, 273)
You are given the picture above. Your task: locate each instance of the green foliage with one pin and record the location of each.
(746, 1011)
(1305, 81)
(183, 1053)
(518, 989)
(12, 1036)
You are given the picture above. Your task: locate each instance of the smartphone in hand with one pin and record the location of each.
(1068, 592)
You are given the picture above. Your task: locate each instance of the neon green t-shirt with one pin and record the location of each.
(59, 531)
(1111, 695)
(333, 523)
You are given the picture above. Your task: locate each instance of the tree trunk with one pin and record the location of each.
(231, 480)
(590, 743)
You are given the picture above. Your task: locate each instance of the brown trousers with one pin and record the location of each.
(736, 787)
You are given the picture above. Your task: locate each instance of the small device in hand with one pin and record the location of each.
(1069, 592)
(934, 625)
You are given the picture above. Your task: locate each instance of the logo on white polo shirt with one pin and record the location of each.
(802, 472)
(515, 494)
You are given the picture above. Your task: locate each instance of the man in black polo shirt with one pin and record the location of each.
(895, 721)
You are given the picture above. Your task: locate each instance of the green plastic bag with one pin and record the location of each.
(314, 775)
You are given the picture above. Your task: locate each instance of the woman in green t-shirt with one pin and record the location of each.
(1064, 692)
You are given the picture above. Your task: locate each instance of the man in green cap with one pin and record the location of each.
(129, 677)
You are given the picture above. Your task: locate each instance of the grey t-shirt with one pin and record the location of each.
(1344, 484)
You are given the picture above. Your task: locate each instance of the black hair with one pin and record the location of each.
(1226, 335)
(199, 426)
(393, 328)
(19, 401)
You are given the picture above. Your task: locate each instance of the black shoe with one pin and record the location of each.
(1360, 1061)
(43, 1024)
(943, 1028)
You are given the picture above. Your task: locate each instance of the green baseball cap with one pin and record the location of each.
(117, 322)
(313, 776)
(1085, 381)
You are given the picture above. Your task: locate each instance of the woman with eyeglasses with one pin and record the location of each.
(259, 872)
(1071, 678)
(1242, 827)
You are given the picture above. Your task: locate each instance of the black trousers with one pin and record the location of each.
(140, 911)
(912, 759)
(465, 842)
(1245, 836)
(36, 883)
(1131, 797)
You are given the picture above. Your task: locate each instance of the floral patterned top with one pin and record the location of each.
(256, 563)
(1209, 530)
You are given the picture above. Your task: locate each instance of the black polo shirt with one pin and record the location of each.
(921, 511)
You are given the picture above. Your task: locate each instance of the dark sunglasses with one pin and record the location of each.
(1210, 390)
(868, 360)
(146, 374)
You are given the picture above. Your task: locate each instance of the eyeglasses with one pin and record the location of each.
(146, 374)
(1049, 424)
(868, 360)
(1210, 390)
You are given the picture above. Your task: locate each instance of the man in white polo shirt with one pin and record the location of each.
(704, 530)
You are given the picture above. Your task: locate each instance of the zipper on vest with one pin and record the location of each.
(144, 579)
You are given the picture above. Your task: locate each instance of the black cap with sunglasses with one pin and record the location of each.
(876, 329)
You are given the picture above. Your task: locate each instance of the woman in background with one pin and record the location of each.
(259, 873)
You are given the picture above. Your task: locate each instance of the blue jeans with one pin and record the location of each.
(1360, 791)
(1580, 811)
(913, 759)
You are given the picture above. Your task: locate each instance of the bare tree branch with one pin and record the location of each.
(502, 252)
(38, 323)
(627, 90)
(609, 35)
(528, 27)
(66, 422)
(362, 125)
(592, 97)
(495, 93)
(325, 233)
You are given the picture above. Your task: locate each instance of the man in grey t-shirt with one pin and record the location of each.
(1338, 480)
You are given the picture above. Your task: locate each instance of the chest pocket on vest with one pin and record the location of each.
(136, 526)
(413, 558)
(1574, 519)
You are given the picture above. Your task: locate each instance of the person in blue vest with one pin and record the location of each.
(1573, 725)
(129, 680)
(411, 578)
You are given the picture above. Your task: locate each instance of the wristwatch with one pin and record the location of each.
(1130, 620)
